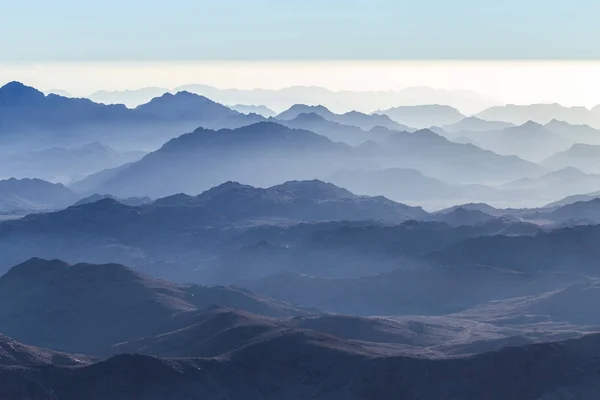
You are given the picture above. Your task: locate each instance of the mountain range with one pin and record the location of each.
(267, 153)
(467, 101)
(542, 114)
(295, 246)
(423, 116)
(262, 154)
(352, 118)
(437, 157)
(254, 109)
(30, 118)
(530, 141)
(88, 308)
(475, 124)
(321, 366)
(336, 132)
(18, 196)
(65, 164)
(581, 156)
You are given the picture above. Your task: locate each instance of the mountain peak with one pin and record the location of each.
(307, 107)
(532, 124)
(309, 117)
(35, 265)
(314, 189)
(557, 122)
(226, 187)
(14, 92)
(29, 275)
(298, 109)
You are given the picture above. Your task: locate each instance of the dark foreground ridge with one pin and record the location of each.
(318, 366)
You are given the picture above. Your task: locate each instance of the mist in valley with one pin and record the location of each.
(349, 204)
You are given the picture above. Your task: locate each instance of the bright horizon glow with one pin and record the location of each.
(570, 83)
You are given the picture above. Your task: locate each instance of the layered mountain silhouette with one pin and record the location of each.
(530, 141)
(87, 308)
(231, 201)
(467, 101)
(66, 164)
(16, 354)
(475, 124)
(424, 116)
(576, 133)
(27, 115)
(321, 366)
(131, 98)
(297, 244)
(566, 305)
(353, 118)
(572, 199)
(221, 332)
(352, 135)
(348, 249)
(417, 291)
(571, 250)
(186, 106)
(130, 201)
(540, 113)
(582, 156)
(555, 184)
(409, 185)
(437, 157)
(262, 154)
(182, 228)
(254, 109)
(30, 195)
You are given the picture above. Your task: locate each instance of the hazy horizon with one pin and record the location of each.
(570, 83)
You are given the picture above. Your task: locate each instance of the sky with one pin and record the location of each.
(515, 51)
(158, 30)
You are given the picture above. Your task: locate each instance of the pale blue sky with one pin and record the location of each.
(92, 30)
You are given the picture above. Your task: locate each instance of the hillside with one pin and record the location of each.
(87, 308)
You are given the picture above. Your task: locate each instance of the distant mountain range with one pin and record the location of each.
(205, 252)
(254, 109)
(555, 184)
(573, 199)
(19, 196)
(130, 98)
(28, 116)
(542, 114)
(262, 154)
(130, 201)
(267, 153)
(567, 305)
(475, 124)
(584, 134)
(423, 116)
(412, 186)
(352, 118)
(65, 164)
(415, 291)
(341, 101)
(336, 132)
(233, 225)
(531, 141)
(569, 250)
(437, 157)
(582, 156)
